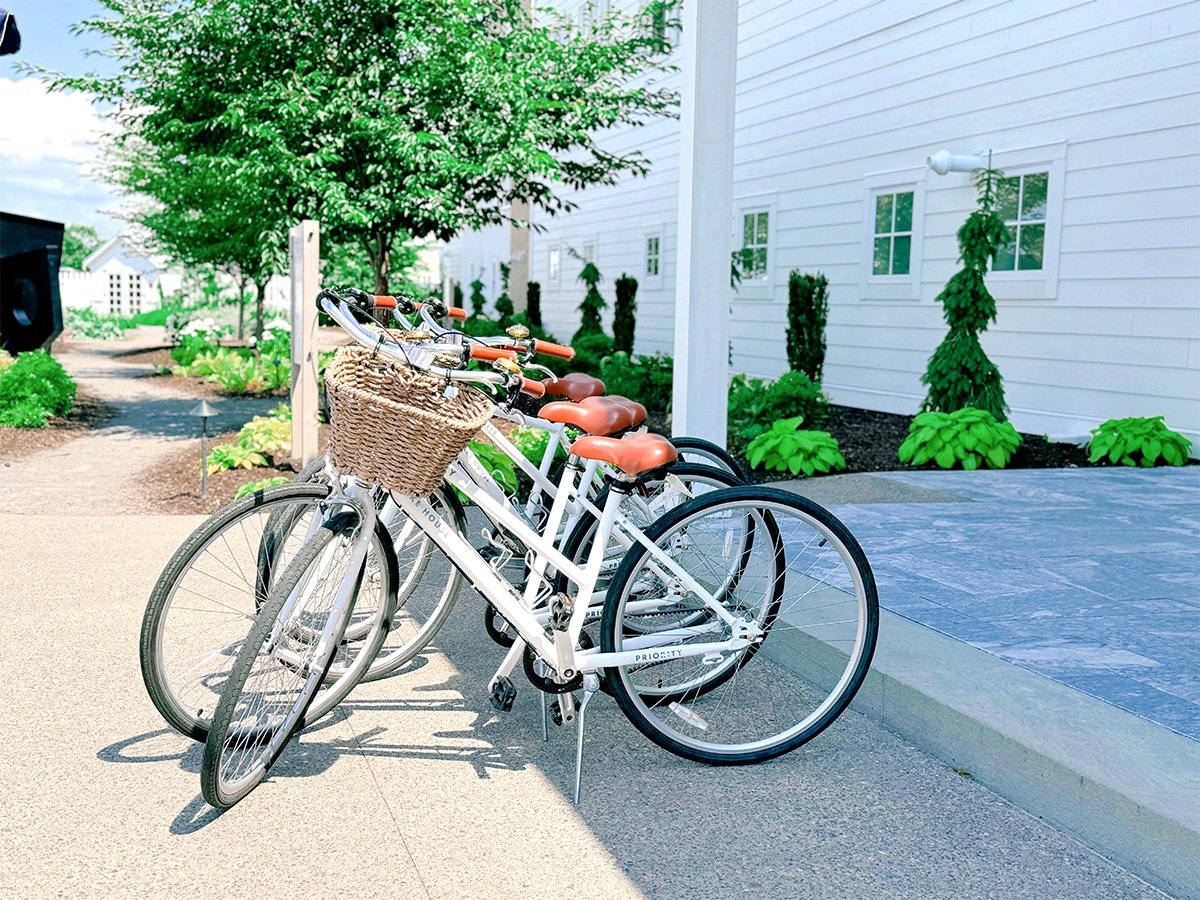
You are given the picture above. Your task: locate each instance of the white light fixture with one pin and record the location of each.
(944, 161)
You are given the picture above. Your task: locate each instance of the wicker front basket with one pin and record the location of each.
(393, 425)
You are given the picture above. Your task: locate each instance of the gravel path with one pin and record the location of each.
(94, 474)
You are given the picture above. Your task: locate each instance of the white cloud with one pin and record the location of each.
(39, 124)
(48, 150)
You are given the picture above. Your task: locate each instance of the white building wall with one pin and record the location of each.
(835, 100)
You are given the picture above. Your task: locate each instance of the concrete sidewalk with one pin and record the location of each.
(416, 788)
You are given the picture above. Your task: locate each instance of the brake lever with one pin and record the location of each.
(542, 368)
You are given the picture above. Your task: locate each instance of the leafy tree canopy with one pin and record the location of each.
(78, 243)
(377, 117)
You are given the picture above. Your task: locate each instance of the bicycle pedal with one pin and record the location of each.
(503, 694)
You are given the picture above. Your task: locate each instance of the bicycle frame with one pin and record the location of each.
(517, 610)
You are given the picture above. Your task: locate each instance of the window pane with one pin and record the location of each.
(904, 212)
(1007, 191)
(1033, 203)
(1006, 258)
(748, 230)
(883, 213)
(882, 254)
(900, 254)
(761, 237)
(1033, 239)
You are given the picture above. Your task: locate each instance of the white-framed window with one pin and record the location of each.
(1021, 202)
(553, 262)
(1031, 202)
(591, 13)
(114, 293)
(892, 223)
(653, 255)
(589, 251)
(754, 218)
(135, 293)
(891, 244)
(664, 27)
(754, 250)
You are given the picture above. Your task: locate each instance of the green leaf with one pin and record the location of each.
(1172, 455)
(996, 458)
(971, 462)
(945, 457)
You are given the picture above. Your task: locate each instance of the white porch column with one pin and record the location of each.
(702, 292)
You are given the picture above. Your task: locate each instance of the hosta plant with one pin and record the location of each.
(1138, 442)
(969, 438)
(266, 435)
(232, 456)
(785, 448)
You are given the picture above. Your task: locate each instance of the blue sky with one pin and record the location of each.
(45, 142)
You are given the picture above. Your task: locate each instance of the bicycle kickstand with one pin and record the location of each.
(545, 716)
(591, 684)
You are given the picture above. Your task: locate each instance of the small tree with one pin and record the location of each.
(477, 299)
(959, 373)
(807, 312)
(504, 304)
(593, 303)
(457, 293)
(533, 303)
(624, 313)
(78, 243)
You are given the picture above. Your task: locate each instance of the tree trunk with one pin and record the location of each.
(242, 307)
(381, 258)
(259, 304)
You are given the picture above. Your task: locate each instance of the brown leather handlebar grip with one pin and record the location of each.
(383, 301)
(552, 349)
(456, 312)
(479, 351)
(532, 388)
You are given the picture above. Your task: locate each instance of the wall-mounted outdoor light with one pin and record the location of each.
(944, 161)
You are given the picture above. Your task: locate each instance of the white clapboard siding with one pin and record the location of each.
(832, 96)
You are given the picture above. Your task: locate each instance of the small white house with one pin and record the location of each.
(1091, 108)
(117, 279)
(120, 279)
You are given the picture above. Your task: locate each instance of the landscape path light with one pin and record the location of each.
(205, 411)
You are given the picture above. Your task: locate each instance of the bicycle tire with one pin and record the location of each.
(170, 699)
(789, 655)
(297, 683)
(708, 453)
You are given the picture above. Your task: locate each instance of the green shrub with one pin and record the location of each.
(34, 387)
(1138, 442)
(807, 312)
(625, 313)
(970, 438)
(504, 304)
(533, 303)
(959, 374)
(190, 347)
(233, 456)
(590, 349)
(532, 443)
(646, 379)
(477, 299)
(754, 403)
(591, 306)
(6, 360)
(784, 448)
(254, 487)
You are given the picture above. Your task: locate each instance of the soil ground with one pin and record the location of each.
(89, 412)
(171, 485)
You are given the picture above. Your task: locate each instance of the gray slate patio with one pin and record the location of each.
(1088, 577)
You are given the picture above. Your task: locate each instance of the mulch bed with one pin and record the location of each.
(172, 485)
(89, 412)
(869, 441)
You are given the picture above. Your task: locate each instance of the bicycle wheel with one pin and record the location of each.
(701, 452)
(281, 665)
(207, 597)
(802, 579)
